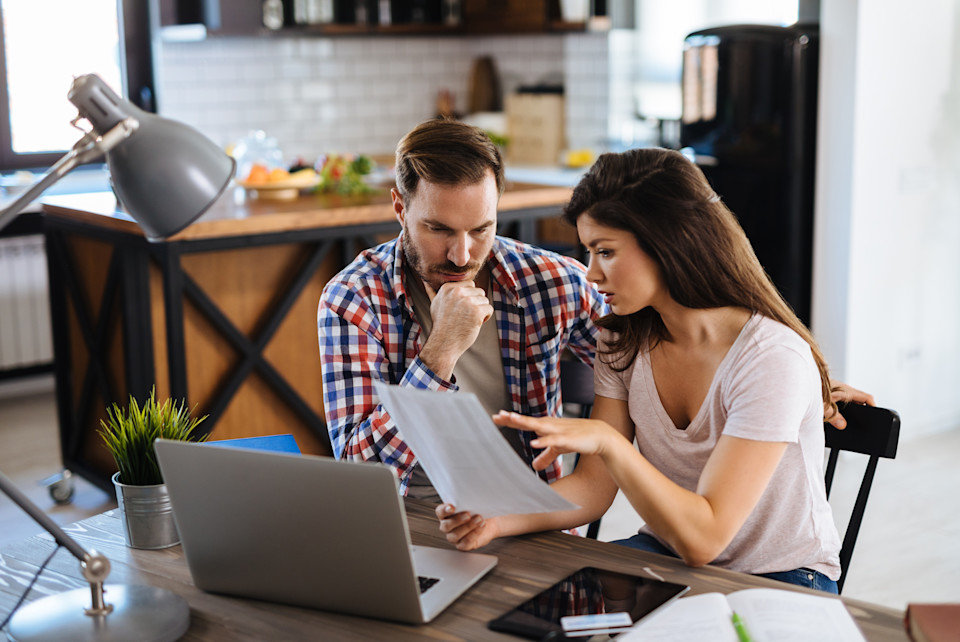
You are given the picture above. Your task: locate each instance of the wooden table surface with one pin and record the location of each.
(527, 565)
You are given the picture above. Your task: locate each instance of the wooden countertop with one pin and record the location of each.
(234, 214)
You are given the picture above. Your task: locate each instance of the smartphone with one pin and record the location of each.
(591, 602)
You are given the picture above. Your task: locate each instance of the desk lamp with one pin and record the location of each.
(166, 174)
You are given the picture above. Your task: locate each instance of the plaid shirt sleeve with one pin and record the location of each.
(558, 308)
(357, 340)
(584, 334)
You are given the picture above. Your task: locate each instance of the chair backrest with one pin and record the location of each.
(576, 386)
(870, 431)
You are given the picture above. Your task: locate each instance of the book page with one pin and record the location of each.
(773, 615)
(689, 619)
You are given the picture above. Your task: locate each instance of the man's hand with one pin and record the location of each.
(465, 530)
(458, 310)
(841, 392)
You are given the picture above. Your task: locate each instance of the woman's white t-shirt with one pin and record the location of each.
(767, 388)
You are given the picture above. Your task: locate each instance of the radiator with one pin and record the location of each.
(25, 336)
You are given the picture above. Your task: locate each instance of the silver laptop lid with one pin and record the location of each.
(301, 530)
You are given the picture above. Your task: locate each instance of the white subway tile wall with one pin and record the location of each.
(325, 95)
(587, 86)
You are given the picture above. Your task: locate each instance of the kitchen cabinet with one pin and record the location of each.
(368, 17)
(219, 17)
(514, 16)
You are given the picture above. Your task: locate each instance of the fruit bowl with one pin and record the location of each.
(285, 189)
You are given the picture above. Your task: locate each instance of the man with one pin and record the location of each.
(449, 306)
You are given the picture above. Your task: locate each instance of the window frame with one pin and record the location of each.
(137, 43)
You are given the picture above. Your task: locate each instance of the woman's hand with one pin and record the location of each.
(559, 436)
(465, 530)
(841, 392)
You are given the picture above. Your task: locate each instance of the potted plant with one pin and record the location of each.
(141, 494)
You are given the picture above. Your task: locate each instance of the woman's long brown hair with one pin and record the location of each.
(704, 256)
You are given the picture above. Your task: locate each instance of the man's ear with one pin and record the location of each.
(398, 209)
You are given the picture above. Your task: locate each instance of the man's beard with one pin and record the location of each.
(430, 274)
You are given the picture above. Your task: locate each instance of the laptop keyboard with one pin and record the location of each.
(426, 582)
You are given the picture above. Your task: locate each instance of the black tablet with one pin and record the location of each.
(590, 602)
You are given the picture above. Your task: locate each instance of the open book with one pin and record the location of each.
(767, 615)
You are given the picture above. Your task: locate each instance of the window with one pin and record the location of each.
(43, 45)
(662, 28)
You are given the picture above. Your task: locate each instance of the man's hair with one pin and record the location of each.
(705, 259)
(446, 152)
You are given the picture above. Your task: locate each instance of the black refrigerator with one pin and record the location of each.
(749, 117)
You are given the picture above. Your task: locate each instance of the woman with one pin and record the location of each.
(708, 368)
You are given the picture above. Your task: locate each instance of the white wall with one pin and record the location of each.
(887, 257)
(321, 95)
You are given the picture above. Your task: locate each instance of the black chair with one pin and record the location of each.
(870, 431)
(576, 386)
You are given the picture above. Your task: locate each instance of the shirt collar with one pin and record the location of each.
(399, 275)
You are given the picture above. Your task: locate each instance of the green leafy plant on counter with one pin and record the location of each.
(129, 435)
(340, 174)
(498, 140)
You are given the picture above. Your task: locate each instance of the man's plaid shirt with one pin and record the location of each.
(542, 303)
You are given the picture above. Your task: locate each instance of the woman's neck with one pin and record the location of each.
(699, 328)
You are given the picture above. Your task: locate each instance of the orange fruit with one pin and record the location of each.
(258, 174)
(278, 174)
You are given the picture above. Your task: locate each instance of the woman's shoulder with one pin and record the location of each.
(769, 353)
(764, 334)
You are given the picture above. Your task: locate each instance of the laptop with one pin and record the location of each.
(307, 531)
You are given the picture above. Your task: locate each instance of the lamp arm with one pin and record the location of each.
(86, 150)
(31, 509)
(95, 567)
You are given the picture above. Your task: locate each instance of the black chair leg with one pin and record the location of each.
(593, 529)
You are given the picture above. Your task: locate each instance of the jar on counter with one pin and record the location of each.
(256, 148)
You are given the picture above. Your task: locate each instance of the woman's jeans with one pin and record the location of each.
(800, 576)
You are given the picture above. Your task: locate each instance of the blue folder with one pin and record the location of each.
(277, 443)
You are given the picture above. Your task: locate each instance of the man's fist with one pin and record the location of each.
(458, 309)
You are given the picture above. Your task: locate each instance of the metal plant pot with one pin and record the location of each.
(147, 515)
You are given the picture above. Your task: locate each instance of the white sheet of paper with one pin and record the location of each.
(463, 453)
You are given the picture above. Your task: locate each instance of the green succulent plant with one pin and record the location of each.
(129, 435)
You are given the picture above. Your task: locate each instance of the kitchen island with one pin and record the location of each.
(222, 314)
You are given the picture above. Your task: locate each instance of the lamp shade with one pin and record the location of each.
(165, 173)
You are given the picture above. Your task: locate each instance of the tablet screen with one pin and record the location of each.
(590, 602)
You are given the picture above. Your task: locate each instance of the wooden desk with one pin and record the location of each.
(222, 314)
(527, 565)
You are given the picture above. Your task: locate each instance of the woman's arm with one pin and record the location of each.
(589, 486)
(698, 525)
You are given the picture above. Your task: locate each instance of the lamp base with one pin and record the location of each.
(143, 613)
